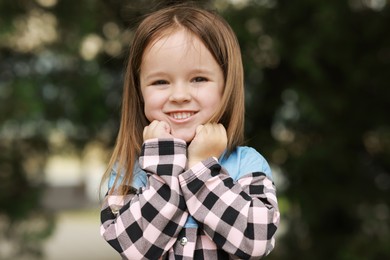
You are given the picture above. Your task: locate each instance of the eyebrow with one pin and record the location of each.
(160, 73)
(202, 70)
(153, 75)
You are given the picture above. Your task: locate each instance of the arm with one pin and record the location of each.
(149, 221)
(240, 217)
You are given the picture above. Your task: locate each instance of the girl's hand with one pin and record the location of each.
(210, 141)
(157, 129)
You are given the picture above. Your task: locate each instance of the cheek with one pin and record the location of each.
(147, 113)
(148, 110)
(212, 101)
(147, 105)
(215, 105)
(152, 107)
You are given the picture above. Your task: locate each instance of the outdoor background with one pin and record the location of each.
(318, 108)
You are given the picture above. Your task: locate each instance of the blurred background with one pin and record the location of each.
(318, 91)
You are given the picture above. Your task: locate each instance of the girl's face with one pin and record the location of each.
(181, 83)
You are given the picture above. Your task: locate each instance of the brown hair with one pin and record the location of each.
(219, 38)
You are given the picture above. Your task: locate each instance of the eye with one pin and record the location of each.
(199, 79)
(160, 82)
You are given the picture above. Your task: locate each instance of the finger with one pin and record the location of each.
(221, 128)
(165, 126)
(214, 129)
(149, 129)
(145, 132)
(154, 124)
(199, 128)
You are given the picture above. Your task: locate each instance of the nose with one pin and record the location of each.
(180, 93)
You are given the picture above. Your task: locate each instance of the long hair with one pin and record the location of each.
(219, 39)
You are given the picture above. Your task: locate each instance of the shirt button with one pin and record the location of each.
(115, 210)
(183, 241)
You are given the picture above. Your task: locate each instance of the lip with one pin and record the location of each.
(181, 116)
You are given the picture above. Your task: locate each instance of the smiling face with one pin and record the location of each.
(181, 83)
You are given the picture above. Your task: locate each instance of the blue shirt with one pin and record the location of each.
(243, 160)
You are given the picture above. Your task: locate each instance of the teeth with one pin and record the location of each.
(181, 115)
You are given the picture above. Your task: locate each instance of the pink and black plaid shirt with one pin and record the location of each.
(236, 219)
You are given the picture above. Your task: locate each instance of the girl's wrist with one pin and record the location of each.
(194, 161)
(191, 163)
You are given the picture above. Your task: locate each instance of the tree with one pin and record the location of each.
(319, 115)
(60, 74)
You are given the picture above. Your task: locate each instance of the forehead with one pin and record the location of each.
(174, 37)
(175, 44)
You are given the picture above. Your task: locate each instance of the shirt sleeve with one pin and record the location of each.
(253, 161)
(145, 223)
(240, 217)
(245, 160)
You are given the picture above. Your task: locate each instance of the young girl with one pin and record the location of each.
(181, 187)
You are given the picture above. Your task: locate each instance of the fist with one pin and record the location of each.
(157, 129)
(210, 141)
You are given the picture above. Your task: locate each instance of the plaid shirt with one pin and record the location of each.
(236, 220)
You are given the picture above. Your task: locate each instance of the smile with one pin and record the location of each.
(181, 115)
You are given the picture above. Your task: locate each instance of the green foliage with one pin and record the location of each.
(325, 101)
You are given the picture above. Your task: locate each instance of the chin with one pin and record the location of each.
(186, 136)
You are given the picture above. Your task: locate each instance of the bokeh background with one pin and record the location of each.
(318, 108)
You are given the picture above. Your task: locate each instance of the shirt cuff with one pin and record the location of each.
(164, 156)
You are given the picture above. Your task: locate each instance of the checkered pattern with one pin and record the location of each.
(237, 220)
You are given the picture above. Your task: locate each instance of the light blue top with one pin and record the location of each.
(242, 161)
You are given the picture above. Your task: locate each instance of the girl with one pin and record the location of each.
(181, 187)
